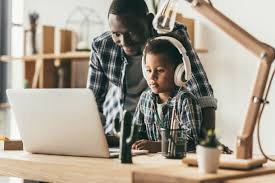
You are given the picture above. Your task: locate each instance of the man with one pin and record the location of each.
(115, 73)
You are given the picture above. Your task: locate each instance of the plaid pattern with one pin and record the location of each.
(106, 73)
(188, 113)
(107, 69)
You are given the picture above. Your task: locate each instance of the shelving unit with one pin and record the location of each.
(42, 70)
(80, 56)
(54, 58)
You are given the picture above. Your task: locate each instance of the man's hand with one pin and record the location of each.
(152, 146)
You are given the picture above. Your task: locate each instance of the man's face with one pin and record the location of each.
(129, 32)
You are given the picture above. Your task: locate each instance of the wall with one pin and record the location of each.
(232, 69)
(56, 12)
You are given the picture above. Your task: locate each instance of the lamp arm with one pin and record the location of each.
(263, 51)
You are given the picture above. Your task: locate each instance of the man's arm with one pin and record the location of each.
(97, 80)
(191, 119)
(199, 85)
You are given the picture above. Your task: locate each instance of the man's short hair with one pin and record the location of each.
(133, 7)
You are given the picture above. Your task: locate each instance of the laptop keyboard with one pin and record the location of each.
(114, 152)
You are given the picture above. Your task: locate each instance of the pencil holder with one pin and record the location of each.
(173, 143)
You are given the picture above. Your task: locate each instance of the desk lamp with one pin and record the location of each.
(164, 23)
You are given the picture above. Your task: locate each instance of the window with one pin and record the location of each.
(4, 48)
(17, 68)
(11, 43)
(17, 41)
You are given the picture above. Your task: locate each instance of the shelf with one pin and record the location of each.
(4, 106)
(201, 50)
(79, 56)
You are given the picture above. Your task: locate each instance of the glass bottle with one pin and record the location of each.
(166, 16)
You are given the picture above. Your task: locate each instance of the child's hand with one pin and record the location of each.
(141, 144)
(147, 145)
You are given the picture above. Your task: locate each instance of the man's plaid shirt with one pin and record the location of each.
(107, 68)
(188, 113)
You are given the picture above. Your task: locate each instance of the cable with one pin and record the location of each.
(259, 120)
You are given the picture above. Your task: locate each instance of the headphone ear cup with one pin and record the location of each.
(188, 73)
(179, 76)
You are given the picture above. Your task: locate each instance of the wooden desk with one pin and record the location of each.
(183, 174)
(51, 168)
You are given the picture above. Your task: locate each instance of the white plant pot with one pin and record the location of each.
(208, 159)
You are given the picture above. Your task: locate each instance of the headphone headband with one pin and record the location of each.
(173, 41)
(183, 69)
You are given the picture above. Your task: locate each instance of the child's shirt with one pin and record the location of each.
(149, 118)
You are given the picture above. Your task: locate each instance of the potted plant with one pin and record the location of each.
(208, 153)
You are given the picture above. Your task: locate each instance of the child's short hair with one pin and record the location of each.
(164, 48)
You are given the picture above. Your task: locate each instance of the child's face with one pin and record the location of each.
(159, 73)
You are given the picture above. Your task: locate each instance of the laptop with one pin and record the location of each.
(60, 122)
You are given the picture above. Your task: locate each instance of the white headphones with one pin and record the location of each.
(182, 69)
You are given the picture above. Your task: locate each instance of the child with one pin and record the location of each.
(154, 110)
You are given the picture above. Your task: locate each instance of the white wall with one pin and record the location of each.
(232, 69)
(55, 12)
